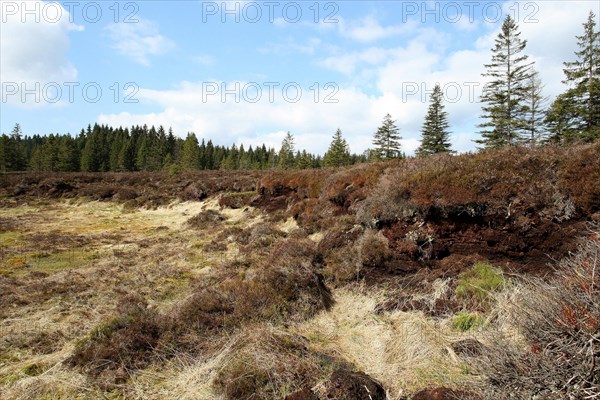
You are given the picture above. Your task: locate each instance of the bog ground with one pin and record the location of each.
(400, 280)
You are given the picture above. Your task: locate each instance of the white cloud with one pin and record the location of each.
(226, 121)
(348, 63)
(551, 40)
(206, 60)
(34, 53)
(291, 46)
(138, 40)
(368, 29)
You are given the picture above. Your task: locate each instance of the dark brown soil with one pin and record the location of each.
(443, 393)
(346, 385)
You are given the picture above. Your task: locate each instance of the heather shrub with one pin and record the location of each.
(204, 219)
(268, 365)
(373, 249)
(386, 204)
(125, 341)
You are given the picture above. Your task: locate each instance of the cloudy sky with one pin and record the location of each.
(247, 72)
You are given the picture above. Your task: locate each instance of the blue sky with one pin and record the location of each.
(249, 71)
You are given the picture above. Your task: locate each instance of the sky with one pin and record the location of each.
(247, 72)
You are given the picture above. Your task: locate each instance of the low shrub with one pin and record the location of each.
(342, 265)
(238, 200)
(204, 219)
(373, 249)
(267, 365)
(126, 341)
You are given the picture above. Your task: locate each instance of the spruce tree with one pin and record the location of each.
(560, 121)
(16, 151)
(91, 156)
(304, 160)
(68, 159)
(387, 139)
(338, 153)
(4, 149)
(190, 156)
(286, 153)
(535, 113)
(583, 77)
(435, 134)
(504, 96)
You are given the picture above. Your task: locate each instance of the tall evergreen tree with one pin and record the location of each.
(286, 153)
(16, 152)
(127, 156)
(67, 154)
(338, 153)
(387, 139)
(504, 96)
(91, 156)
(583, 77)
(231, 160)
(560, 121)
(303, 160)
(535, 114)
(189, 158)
(4, 149)
(435, 134)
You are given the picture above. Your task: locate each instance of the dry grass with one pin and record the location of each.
(79, 258)
(404, 351)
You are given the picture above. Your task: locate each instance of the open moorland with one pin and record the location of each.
(448, 277)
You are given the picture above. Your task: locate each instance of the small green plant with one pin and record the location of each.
(464, 321)
(33, 369)
(479, 282)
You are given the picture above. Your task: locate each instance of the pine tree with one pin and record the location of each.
(209, 155)
(304, 160)
(68, 157)
(127, 156)
(583, 75)
(536, 110)
(189, 158)
(231, 160)
(4, 149)
(16, 153)
(50, 154)
(286, 153)
(560, 121)
(91, 156)
(36, 162)
(434, 134)
(338, 153)
(387, 139)
(504, 96)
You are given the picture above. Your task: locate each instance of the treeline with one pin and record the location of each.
(102, 149)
